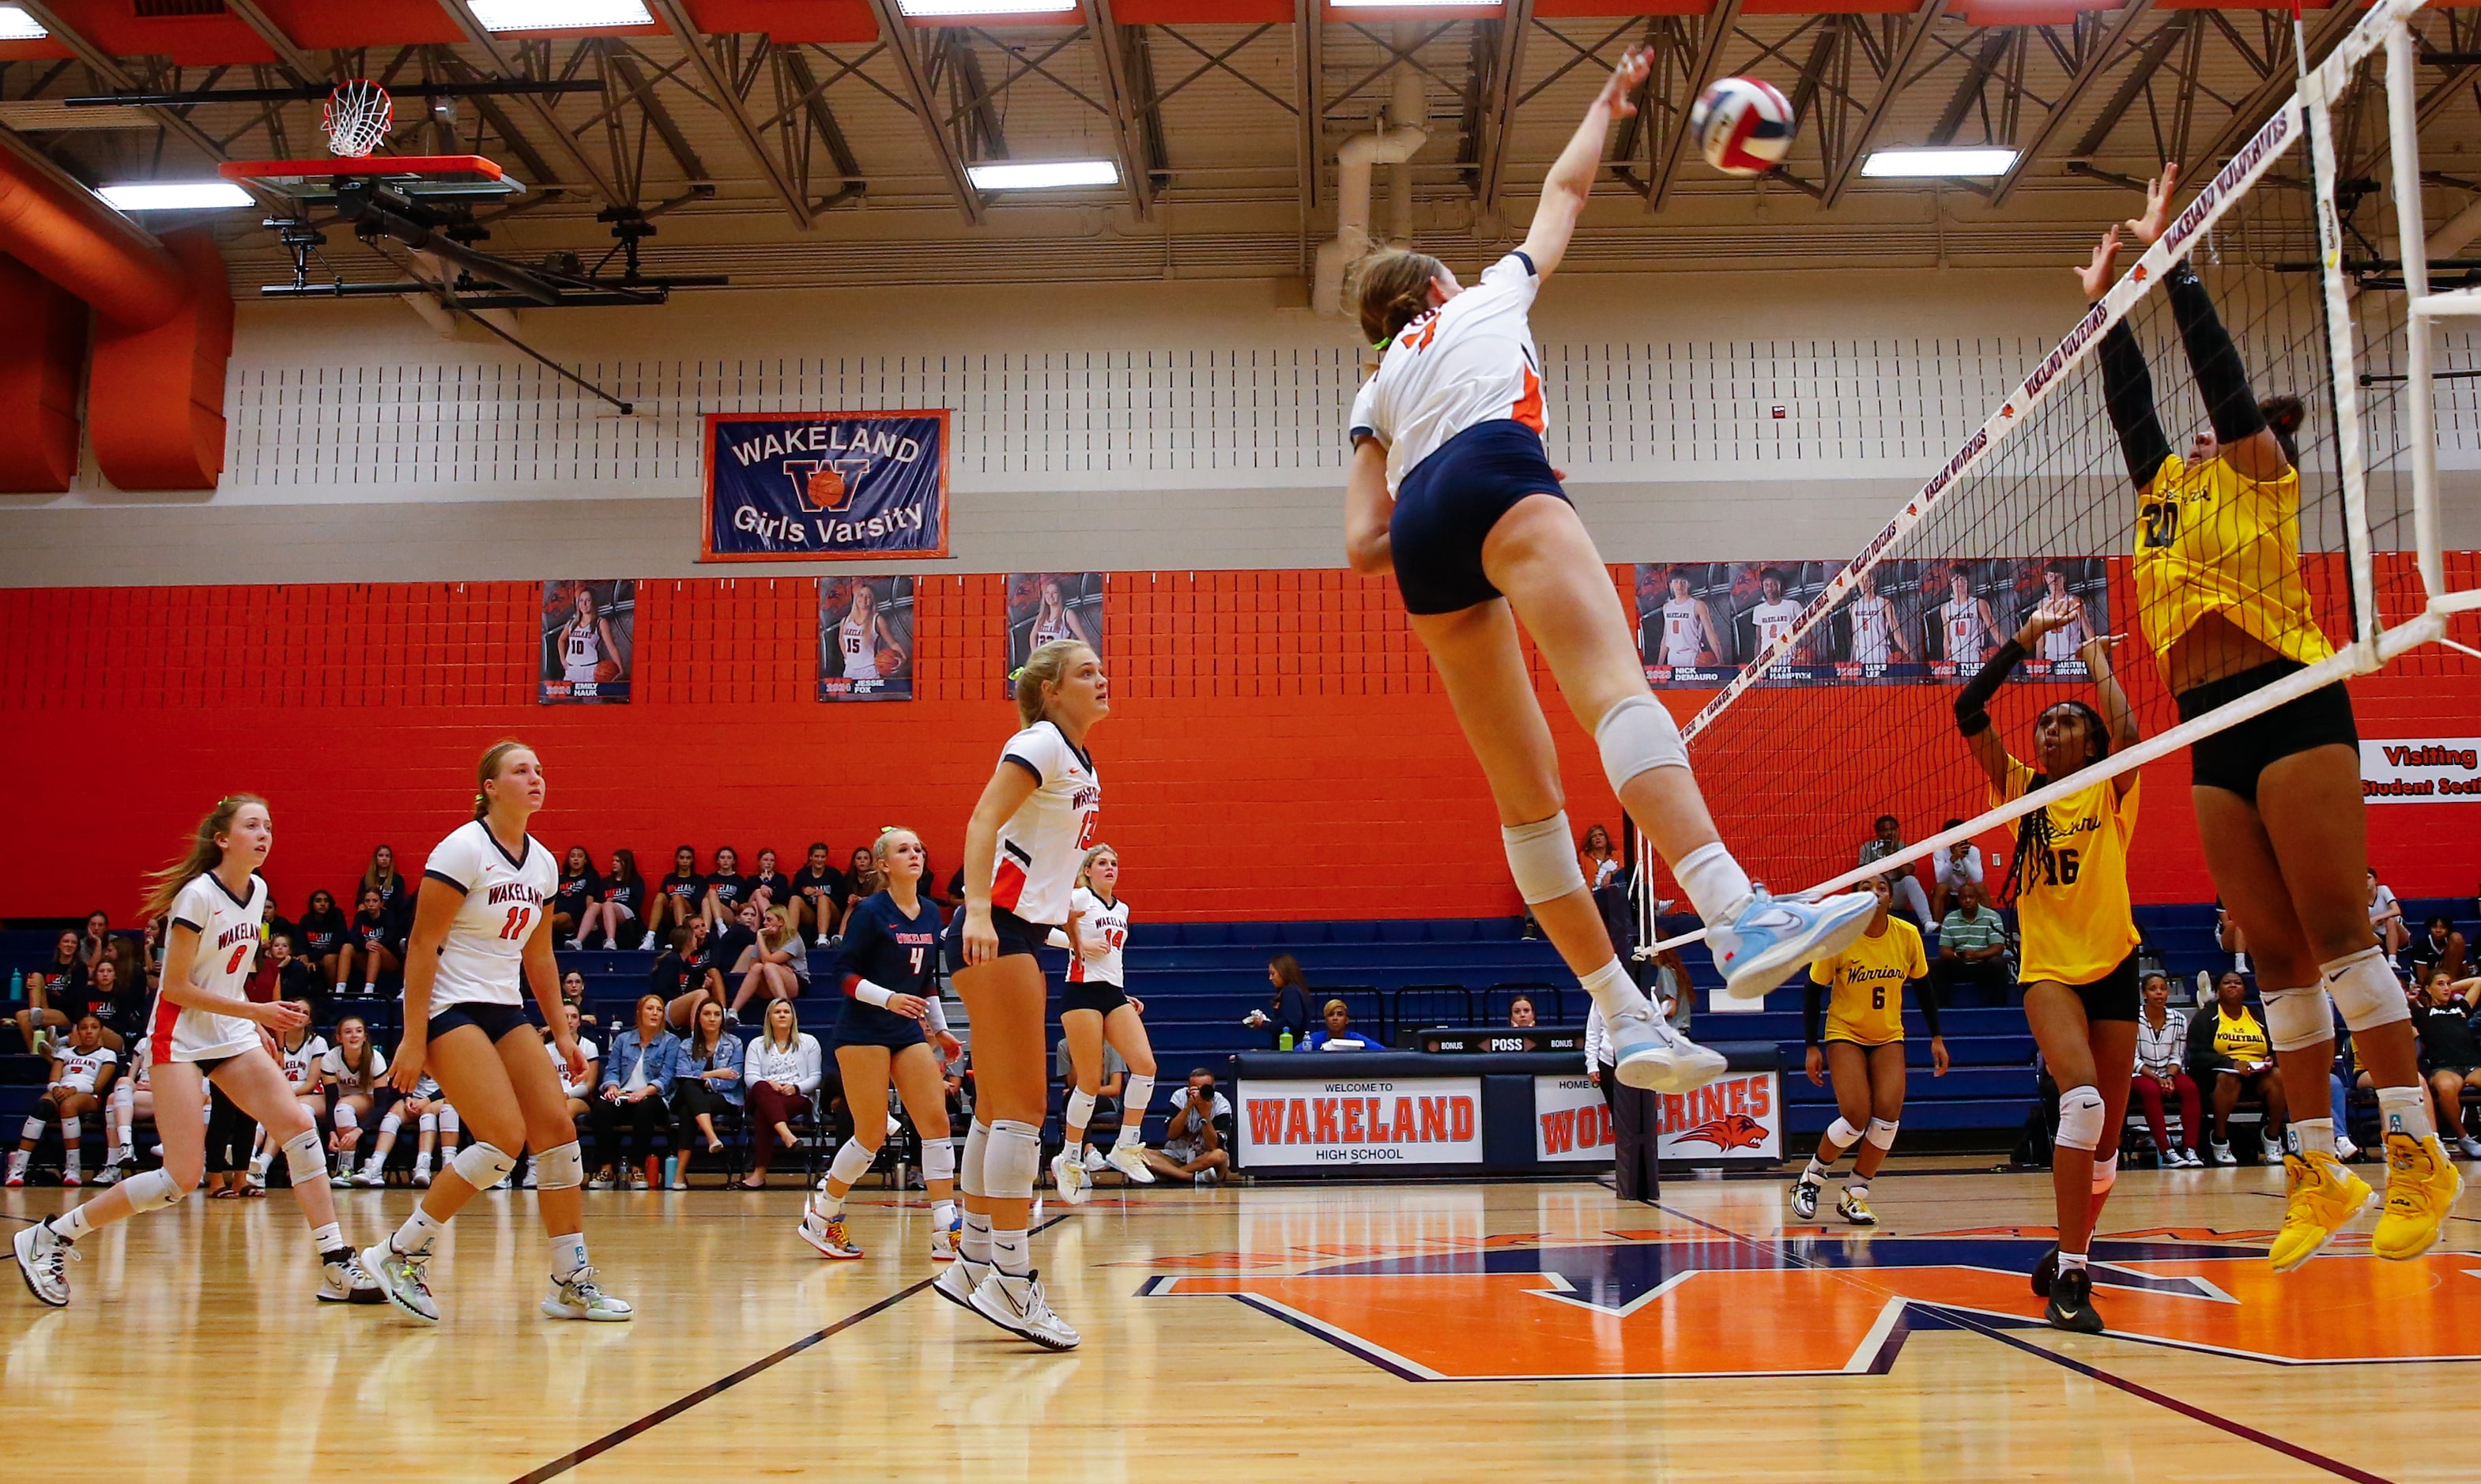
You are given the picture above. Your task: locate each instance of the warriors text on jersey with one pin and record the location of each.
(1103, 924)
(2073, 902)
(1470, 361)
(1041, 844)
(1874, 629)
(580, 650)
(2212, 540)
(1773, 621)
(1683, 632)
(483, 960)
(1866, 984)
(230, 931)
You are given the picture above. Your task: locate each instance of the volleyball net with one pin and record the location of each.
(1849, 715)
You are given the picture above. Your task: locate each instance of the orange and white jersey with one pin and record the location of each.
(1683, 632)
(1100, 924)
(1965, 636)
(2060, 645)
(484, 960)
(1470, 361)
(80, 1071)
(302, 1066)
(1774, 620)
(853, 642)
(1042, 844)
(229, 929)
(1874, 631)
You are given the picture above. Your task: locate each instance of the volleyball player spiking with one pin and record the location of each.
(2278, 797)
(2068, 877)
(1095, 1010)
(1029, 833)
(889, 967)
(205, 1028)
(1450, 490)
(1862, 992)
(479, 940)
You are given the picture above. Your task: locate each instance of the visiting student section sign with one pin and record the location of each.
(823, 486)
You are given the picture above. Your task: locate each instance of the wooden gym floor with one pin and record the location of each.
(1384, 1332)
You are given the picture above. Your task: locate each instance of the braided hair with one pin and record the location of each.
(2033, 832)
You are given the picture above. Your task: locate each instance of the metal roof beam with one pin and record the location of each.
(1890, 81)
(1499, 117)
(564, 142)
(1711, 40)
(106, 67)
(2279, 82)
(719, 81)
(304, 65)
(1309, 98)
(812, 100)
(667, 128)
(1126, 107)
(2157, 51)
(915, 74)
(2103, 47)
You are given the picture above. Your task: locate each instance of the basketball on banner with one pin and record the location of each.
(823, 486)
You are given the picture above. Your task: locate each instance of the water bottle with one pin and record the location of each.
(1284, 1042)
(671, 1164)
(16, 985)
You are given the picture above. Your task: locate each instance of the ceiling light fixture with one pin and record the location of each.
(1044, 175)
(175, 196)
(15, 25)
(559, 15)
(1939, 164)
(929, 8)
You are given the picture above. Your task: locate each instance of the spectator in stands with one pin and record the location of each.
(769, 887)
(395, 893)
(779, 1071)
(2162, 1047)
(2448, 1053)
(684, 975)
(818, 896)
(1520, 1012)
(1972, 946)
(78, 1079)
(578, 1090)
(353, 1070)
(1290, 1003)
(2440, 949)
(572, 996)
(374, 943)
(2227, 938)
(727, 890)
(1600, 866)
(1196, 1134)
(778, 965)
(1338, 1034)
(622, 897)
(580, 884)
(629, 1100)
(96, 938)
(679, 898)
(2386, 917)
(50, 990)
(323, 932)
(122, 1001)
(1952, 867)
(151, 951)
(2227, 1044)
(287, 977)
(862, 880)
(1890, 840)
(706, 1081)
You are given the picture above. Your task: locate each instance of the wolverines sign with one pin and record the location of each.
(788, 485)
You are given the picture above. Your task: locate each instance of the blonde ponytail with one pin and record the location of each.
(202, 856)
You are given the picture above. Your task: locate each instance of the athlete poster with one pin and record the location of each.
(1047, 605)
(825, 485)
(2084, 582)
(590, 633)
(865, 638)
(1685, 624)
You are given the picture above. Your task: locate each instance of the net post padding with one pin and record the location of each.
(2403, 137)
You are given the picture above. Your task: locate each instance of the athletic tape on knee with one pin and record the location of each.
(484, 1165)
(1009, 1163)
(2365, 990)
(305, 1159)
(1840, 1133)
(1542, 857)
(2080, 1119)
(851, 1162)
(561, 1168)
(151, 1191)
(1133, 1097)
(1882, 1133)
(1080, 1111)
(2296, 1019)
(2106, 1173)
(938, 1159)
(1637, 736)
(969, 1172)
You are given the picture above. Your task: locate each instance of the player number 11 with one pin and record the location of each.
(515, 927)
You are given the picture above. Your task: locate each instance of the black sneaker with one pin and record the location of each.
(2044, 1271)
(2072, 1303)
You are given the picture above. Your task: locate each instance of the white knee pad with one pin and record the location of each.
(428, 1123)
(449, 1123)
(938, 1159)
(2365, 990)
(1133, 1097)
(851, 1162)
(1638, 736)
(391, 1121)
(2299, 1018)
(1009, 1163)
(2106, 1173)
(1881, 1135)
(1841, 1133)
(1542, 857)
(968, 1174)
(347, 1119)
(561, 1168)
(32, 1127)
(1080, 1111)
(151, 1191)
(2080, 1119)
(482, 1165)
(305, 1159)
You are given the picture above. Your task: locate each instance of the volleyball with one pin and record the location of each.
(1743, 125)
(889, 662)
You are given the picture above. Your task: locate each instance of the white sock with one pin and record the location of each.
(1818, 1170)
(1716, 884)
(17, 1158)
(2314, 1135)
(71, 1224)
(1615, 993)
(2071, 1260)
(422, 1164)
(2406, 1110)
(111, 1151)
(1856, 1186)
(943, 1214)
(976, 1246)
(567, 1253)
(1130, 1133)
(417, 1233)
(1013, 1253)
(69, 1160)
(328, 1239)
(827, 1204)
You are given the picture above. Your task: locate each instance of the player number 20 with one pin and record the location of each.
(2161, 522)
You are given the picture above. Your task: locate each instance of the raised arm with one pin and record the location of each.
(1572, 174)
(2116, 714)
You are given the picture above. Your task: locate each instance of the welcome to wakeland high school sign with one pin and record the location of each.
(825, 485)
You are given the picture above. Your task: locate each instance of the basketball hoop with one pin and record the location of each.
(356, 117)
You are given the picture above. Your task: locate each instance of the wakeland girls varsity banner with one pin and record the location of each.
(825, 485)
(590, 629)
(865, 638)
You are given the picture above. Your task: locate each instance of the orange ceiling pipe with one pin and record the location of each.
(40, 361)
(60, 231)
(155, 397)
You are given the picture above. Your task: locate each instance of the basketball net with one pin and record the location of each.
(357, 119)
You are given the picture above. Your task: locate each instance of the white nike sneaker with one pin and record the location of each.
(1017, 1305)
(401, 1277)
(1130, 1160)
(944, 1240)
(1068, 1172)
(958, 1281)
(1095, 1164)
(370, 1178)
(347, 1281)
(578, 1296)
(1652, 1056)
(42, 1261)
(1771, 938)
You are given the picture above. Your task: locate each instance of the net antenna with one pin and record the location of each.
(356, 117)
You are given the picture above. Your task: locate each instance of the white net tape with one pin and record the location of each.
(357, 119)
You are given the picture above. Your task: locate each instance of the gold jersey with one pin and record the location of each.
(2212, 540)
(1864, 1000)
(2073, 902)
(2241, 1038)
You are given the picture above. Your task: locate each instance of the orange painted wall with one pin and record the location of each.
(1278, 750)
